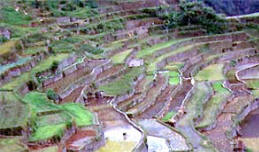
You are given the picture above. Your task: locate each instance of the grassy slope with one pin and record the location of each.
(194, 109)
(120, 57)
(211, 73)
(212, 107)
(54, 124)
(25, 77)
(122, 85)
(12, 144)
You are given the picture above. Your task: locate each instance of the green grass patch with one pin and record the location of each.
(122, 85)
(7, 47)
(151, 50)
(255, 93)
(174, 78)
(83, 13)
(252, 83)
(152, 63)
(19, 62)
(10, 16)
(34, 50)
(174, 66)
(212, 72)
(39, 102)
(46, 132)
(42, 66)
(120, 57)
(13, 113)
(195, 105)
(218, 87)
(51, 120)
(81, 116)
(12, 144)
(211, 109)
(168, 116)
(194, 109)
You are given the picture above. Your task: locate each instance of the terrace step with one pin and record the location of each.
(194, 109)
(140, 92)
(160, 103)
(158, 86)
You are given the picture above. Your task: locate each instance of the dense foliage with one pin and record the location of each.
(196, 13)
(73, 8)
(11, 16)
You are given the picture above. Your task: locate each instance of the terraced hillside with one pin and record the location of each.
(110, 76)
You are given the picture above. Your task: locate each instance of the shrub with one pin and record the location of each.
(10, 16)
(91, 3)
(3, 39)
(52, 95)
(113, 25)
(90, 49)
(54, 66)
(196, 13)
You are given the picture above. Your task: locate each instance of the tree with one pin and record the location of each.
(51, 94)
(196, 13)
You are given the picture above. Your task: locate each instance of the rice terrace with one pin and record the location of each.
(129, 76)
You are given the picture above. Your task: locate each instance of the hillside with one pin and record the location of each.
(234, 7)
(128, 75)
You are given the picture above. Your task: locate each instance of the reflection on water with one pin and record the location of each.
(117, 146)
(156, 144)
(120, 139)
(125, 133)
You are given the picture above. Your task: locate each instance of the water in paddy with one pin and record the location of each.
(249, 130)
(117, 142)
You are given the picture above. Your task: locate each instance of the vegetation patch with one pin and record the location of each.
(196, 13)
(123, 84)
(39, 102)
(42, 66)
(120, 57)
(212, 72)
(174, 78)
(151, 50)
(252, 83)
(13, 113)
(152, 65)
(11, 16)
(19, 62)
(211, 109)
(46, 132)
(51, 120)
(7, 47)
(12, 144)
(168, 116)
(81, 116)
(194, 109)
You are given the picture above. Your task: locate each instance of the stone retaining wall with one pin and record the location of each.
(86, 80)
(17, 71)
(150, 103)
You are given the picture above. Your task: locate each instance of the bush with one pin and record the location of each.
(91, 3)
(196, 13)
(3, 39)
(69, 6)
(10, 16)
(52, 95)
(113, 25)
(90, 49)
(54, 66)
